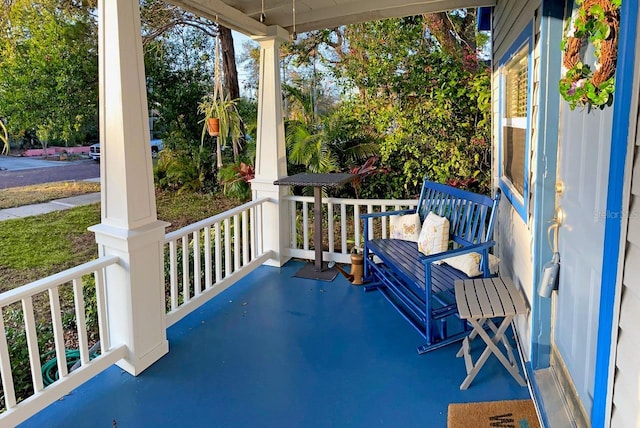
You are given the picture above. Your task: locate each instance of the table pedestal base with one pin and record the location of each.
(318, 269)
(309, 271)
(479, 302)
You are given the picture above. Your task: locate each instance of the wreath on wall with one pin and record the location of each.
(597, 21)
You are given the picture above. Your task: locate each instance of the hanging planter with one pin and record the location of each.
(213, 126)
(221, 117)
(597, 22)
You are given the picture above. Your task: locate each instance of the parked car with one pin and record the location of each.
(94, 149)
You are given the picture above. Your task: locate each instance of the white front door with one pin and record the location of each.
(583, 168)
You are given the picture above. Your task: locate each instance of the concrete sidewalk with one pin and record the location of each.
(47, 207)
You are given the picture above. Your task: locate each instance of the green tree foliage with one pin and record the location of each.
(179, 59)
(177, 79)
(178, 50)
(178, 71)
(48, 69)
(416, 87)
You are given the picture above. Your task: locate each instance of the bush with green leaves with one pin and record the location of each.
(19, 351)
(184, 171)
(17, 338)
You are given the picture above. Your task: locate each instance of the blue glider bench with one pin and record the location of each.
(421, 290)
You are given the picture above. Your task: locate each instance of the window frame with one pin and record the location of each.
(520, 202)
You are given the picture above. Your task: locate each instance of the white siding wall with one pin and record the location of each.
(626, 392)
(513, 235)
(626, 389)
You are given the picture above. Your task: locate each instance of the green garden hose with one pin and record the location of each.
(50, 368)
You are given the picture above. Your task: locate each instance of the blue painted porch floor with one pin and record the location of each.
(279, 351)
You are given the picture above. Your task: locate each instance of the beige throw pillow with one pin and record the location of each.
(405, 227)
(434, 235)
(470, 264)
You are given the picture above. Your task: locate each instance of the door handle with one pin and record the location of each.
(559, 218)
(556, 222)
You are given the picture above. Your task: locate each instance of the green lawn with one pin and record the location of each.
(19, 196)
(35, 247)
(39, 246)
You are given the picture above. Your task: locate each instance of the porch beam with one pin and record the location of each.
(218, 11)
(310, 15)
(129, 228)
(271, 158)
(370, 10)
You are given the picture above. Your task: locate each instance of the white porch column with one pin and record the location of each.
(130, 228)
(271, 160)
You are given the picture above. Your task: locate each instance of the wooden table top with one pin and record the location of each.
(316, 179)
(488, 298)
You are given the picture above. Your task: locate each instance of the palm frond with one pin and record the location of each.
(4, 138)
(303, 99)
(361, 151)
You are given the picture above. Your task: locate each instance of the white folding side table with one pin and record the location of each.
(479, 301)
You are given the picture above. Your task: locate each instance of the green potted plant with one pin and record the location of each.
(222, 120)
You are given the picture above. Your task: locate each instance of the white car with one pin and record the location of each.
(94, 149)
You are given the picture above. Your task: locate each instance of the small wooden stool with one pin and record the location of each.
(480, 300)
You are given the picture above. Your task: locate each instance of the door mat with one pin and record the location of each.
(508, 414)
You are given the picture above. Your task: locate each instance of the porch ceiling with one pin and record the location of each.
(243, 15)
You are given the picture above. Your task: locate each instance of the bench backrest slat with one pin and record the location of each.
(471, 215)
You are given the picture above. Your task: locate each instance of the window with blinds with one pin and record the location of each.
(514, 121)
(517, 84)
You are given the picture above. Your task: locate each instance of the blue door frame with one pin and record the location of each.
(544, 193)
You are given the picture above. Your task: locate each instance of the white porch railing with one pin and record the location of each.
(202, 260)
(29, 322)
(219, 251)
(341, 232)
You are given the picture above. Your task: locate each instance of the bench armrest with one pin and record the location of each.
(425, 260)
(388, 213)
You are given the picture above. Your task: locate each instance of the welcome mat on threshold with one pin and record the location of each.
(506, 414)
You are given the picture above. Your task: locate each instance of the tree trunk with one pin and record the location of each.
(229, 63)
(458, 43)
(230, 71)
